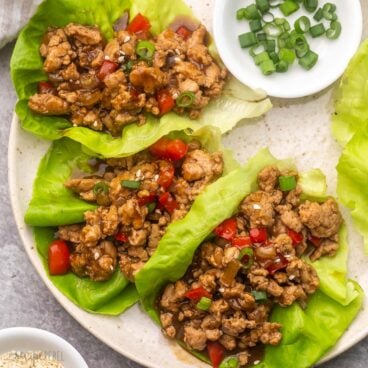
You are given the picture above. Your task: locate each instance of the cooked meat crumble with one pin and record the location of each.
(256, 260)
(138, 197)
(105, 86)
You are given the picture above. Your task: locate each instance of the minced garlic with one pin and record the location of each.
(30, 359)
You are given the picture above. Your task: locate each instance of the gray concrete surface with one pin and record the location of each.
(24, 299)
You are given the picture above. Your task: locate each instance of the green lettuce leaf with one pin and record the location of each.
(351, 108)
(352, 177)
(110, 297)
(236, 103)
(309, 333)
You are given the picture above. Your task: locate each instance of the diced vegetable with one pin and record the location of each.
(247, 39)
(184, 32)
(302, 24)
(195, 295)
(169, 149)
(334, 31)
(165, 101)
(258, 235)
(185, 99)
(287, 55)
(241, 241)
(267, 67)
(230, 362)
(147, 199)
(45, 88)
(278, 264)
(145, 50)
(204, 304)
(139, 24)
(226, 229)
(310, 5)
(107, 68)
(130, 184)
(166, 176)
(263, 5)
(317, 30)
(230, 272)
(100, 188)
(287, 183)
(246, 256)
(319, 15)
(309, 60)
(259, 296)
(216, 353)
(167, 201)
(121, 237)
(314, 240)
(58, 257)
(251, 12)
(289, 7)
(151, 207)
(296, 238)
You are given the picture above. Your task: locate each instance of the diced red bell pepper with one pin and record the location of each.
(169, 149)
(144, 35)
(184, 32)
(278, 264)
(143, 201)
(241, 241)
(167, 201)
(296, 238)
(121, 237)
(107, 68)
(227, 229)
(58, 257)
(216, 353)
(196, 294)
(46, 88)
(258, 235)
(166, 175)
(314, 240)
(165, 101)
(139, 24)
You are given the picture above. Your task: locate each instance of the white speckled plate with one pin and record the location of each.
(299, 129)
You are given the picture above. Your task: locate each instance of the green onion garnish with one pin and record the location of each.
(319, 15)
(185, 99)
(100, 188)
(151, 207)
(328, 11)
(255, 25)
(268, 67)
(268, 18)
(145, 50)
(130, 184)
(262, 36)
(204, 304)
(256, 50)
(263, 5)
(251, 12)
(309, 60)
(230, 362)
(274, 57)
(287, 183)
(246, 254)
(270, 45)
(310, 5)
(289, 7)
(260, 58)
(334, 31)
(272, 30)
(287, 55)
(247, 39)
(259, 296)
(282, 66)
(317, 30)
(240, 14)
(302, 24)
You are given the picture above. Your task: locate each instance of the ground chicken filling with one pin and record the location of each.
(105, 86)
(254, 261)
(137, 198)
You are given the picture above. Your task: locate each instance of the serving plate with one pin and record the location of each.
(298, 128)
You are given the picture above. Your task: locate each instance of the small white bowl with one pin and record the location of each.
(334, 55)
(26, 339)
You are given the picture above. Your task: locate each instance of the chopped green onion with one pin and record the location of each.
(246, 254)
(274, 57)
(204, 304)
(261, 36)
(287, 183)
(285, 41)
(301, 47)
(283, 23)
(185, 99)
(240, 14)
(329, 11)
(270, 45)
(256, 50)
(287, 55)
(317, 30)
(230, 362)
(272, 30)
(268, 67)
(334, 31)
(251, 12)
(255, 25)
(100, 188)
(302, 24)
(282, 66)
(151, 207)
(145, 50)
(268, 18)
(247, 39)
(130, 184)
(288, 7)
(319, 15)
(310, 5)
(309, 60)
(275, 3)
(263, 5)
(128, 66)
(259, 296)
(260, 58)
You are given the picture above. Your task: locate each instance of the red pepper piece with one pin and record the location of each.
(166, 176)
(139, 24)
(196, 294)
(143, 201)
(296, 238)
(227, 229)
(121, 237)
(46, 88)
(167, 201)
(216, 353)
(314, 240)
(241, 241)
(58, 257)
(107, 68)
(169, 149)
(184, 32)
(258, 235)
(278, 264)
(165, 101)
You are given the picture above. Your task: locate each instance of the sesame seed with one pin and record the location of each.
(256, 362)
(291, 277)
(122, 52)
(256, 206)
(96, 255)
(111, 267)
(107, 57)
(177, 51)
(126, 39)
(156, 177)
(95, 123)
(121, 58)
(221, 290)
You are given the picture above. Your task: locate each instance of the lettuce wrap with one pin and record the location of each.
(53, 205)
(308, 334)
(236, 103)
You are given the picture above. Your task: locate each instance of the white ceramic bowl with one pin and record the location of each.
(334, 55)
(33, 339)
